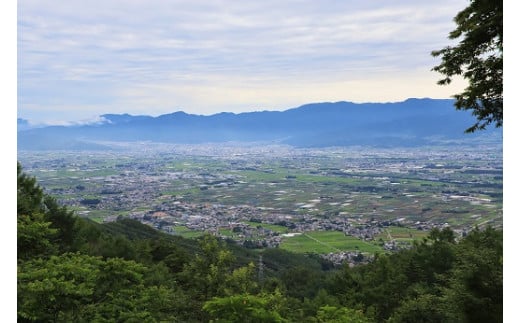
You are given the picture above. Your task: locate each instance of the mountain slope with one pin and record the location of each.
(409, 123)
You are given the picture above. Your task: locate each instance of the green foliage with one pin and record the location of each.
(301, 282)
(125, 290)
(205, 273)
(169, 253)
(131, 229)
(35, 209)
(33, 229)
(479, 59)
(75, 287)
(34, 236)
(89, 238)
(279, 260)
(29, 194)
(475, 286)
(431, 258)
(245, 308)
(242, 281)
(118, 246)
(383, 285)
(63, 220)
(345, 284)
(57, 288)
(341, 315)
(425, 308)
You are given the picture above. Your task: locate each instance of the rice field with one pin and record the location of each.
(322, 242)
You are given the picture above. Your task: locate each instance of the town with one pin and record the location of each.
(267, 196)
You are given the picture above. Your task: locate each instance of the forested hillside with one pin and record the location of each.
(74, 270)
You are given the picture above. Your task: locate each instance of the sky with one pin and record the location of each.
(78, 60)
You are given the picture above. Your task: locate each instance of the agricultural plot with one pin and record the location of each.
(401, 234)
(328, 187)
(185, 232)
(272, 227)
(324, 242)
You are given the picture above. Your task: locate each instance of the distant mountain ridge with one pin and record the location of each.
(413, 122)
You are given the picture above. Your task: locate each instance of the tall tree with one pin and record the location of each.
(36, 209)
(34, 232)
(207, 270)
(475, 286)
(478, 58)
(29, 194)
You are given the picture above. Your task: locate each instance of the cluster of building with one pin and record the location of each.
(148, 186)
(250, 226)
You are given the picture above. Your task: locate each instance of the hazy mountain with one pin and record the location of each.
(410, 123)
(22, 124)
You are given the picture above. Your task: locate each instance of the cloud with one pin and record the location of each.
(161, 54)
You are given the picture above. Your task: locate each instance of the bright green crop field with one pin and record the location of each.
(325, 242)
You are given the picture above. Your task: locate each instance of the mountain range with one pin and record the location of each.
(413, 122)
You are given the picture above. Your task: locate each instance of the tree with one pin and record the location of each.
(29, 194)
(79, 288)
(207, 270)
(475, 290)
(242, 280)
(37, 210)
(425, 308)
(34, 231)
(478, 58)
(301, 282)
(34, 236)
(56, 289)
(245, 308)
(343, 314)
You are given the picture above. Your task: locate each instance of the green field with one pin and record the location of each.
(325, 242)
(227, 233)
(187, 233)
(401, 234)
(272, 227)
